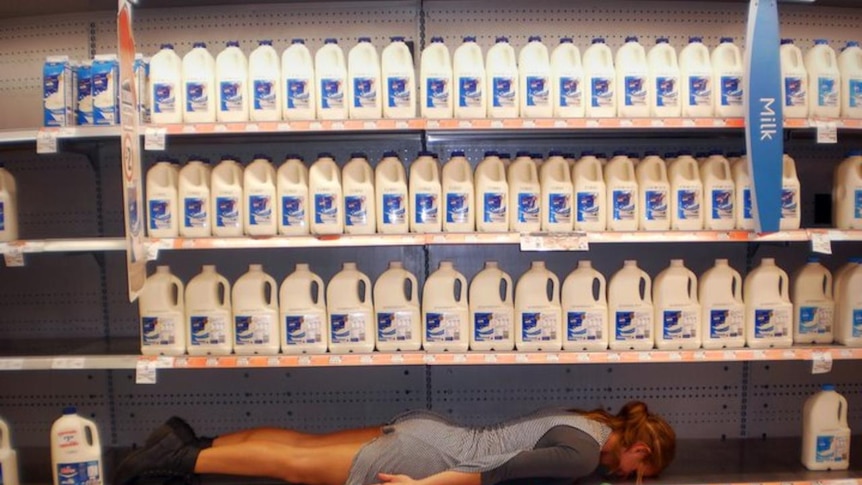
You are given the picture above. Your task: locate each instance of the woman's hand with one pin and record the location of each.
(397, 479)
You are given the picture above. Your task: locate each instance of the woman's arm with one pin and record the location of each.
(443, 478)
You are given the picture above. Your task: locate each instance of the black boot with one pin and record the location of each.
(165, 455)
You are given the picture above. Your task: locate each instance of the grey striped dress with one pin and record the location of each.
(421, 443)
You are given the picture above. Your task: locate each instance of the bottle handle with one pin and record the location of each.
(737, 291)
(602, 289)
(366, 295)
(784, 287)
(509, 287)
(414, 285)
(827, 280)
(692, 286)
(272, 290)
(647, 288)
(320, 301)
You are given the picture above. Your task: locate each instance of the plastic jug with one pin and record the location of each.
(585, 309)
(538, 314)
(76, 451)
(655, 194)
(360, 214)
(630, 309)
(199, 85)
(166, 95)
(363, 83)
(264, 83)
(503, 85)
(351, 311)
(458, 194)
(491, 194)
(8, 456)
(824, 79)
(600, 77)
(847, 193)
(227, 198)
(425, 193)
(632, 74)
(445, 311)
(718, 194)
(850, 65)
(436, 81)
(590, 194)
(567, 80)
(297, 74)
(330, 73)
(663, 83)
(813, 306)
(292, 188)
(160, 306)
(208, 311)
(535, 80)
(622, 195)
(396, 310)
(728, 73)
(791, 196)
(742, 200)
(722, 310)
(194, 194)
(696, 69)
(255, 313)
(303, 313)
(162, 203)
(794, 80)
(525, 195)
(848, 294)
(686, 199)
(468, 67)
(261, 215)
(232, 80)
(677, 311)
(324, 190)
(768, 311)
(825, 434)
(492, 311)
(399, 80)
(557, 192)
(393, 201)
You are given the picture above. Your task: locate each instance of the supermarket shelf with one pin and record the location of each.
(72, 132)
(64, 245)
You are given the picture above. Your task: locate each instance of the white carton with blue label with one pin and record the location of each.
(538, 314)
(722, 310)
(76, 451)
(360, 215)
(630, 309)
(768, 311)
(445, 311)
(825, 434)
(677, 310)
(57, 91)
(84, 93)
(106, 90)
(813, 306)
(351, 311)
(259, 191)
(255, 313)
(162, 314)
(208, 314)
(303, 313)
(585, 309)
(397, 316)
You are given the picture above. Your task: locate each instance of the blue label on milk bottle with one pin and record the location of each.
(399, 91)
(426, 208)
(672, 325)
(789, 206)
(503, 95)
(624, 205)
(483, 331)
(227, 212)
(827, 92)
(470, 89)
(830, 449)
(3, 217)
(575, 328)
(635, 91)
(731, 90)
(768, 323)
(560, 208)
(164, 98)
(535, 327)
(441, 327)
(720, 324)
(630, 325)
(688, 204)
(794, 94)
(857, 204)
(570, 92)
(588, 206)
(325, 209)
(528, 207)
(667, 91)
(232, 96)
(196, 97)
(457, 208)
(292, 211)
(332, 93)
(437, 92)
(699, 92)
(160, 214)
(538, 93)
(302, 329)
(747, 208)
(260, 210)
(495, 207)
(196, 212)
(298, 96)
(79, 473)
(264, 95)
(857, 322)
(355, 210)
(208, 330)
(855, 92)
(364, 92)
(394, 209)
(814, 320)
(722, 204)
(655, 205)
(602, 92)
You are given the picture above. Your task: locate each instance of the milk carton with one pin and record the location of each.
(825, 434)
(194, 194)
(677, 311)
(393, 198)
(57, 91)
(425, 194)
(590, 194)
(850, 65)
(437, 100)
(141, 69)
(84, 93)
(166, 90)
(363, 83)
(728, 73)
(303, 313)
(162, 204)
(232, 82)
(525, 195)
(791, 196)
(794, 80)
(445, 311)
(632, 85)
(360, 215)
(324, 190)
(76, 450)
(227, 198)
(293, 200)
(502, 80)
(718, 194)
(264, 81)
(399, 80)
(768, 311)
(824, 79)
(538, 315)
(585, 309)
(492, 311)
(847, 193)
(8, 456)
(567, 80)
(630, 309)
(351, 311)
(259, 193)
(535, 80)
(600, 78)
(686, 201)
(199, 85)
(697, 78)
(255, 313)
(813, 306)
(330, 73)
(397, 317)
(162, 313)
(622, 195)
(663, 83)
(468, 67)
(556, 194)
(722, 310)
(848, 292)
(298, 82)
(491, 194)
(8, 206)
(208, 314)
(654, 187)
(742, 201)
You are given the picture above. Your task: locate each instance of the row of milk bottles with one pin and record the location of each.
(821, 83)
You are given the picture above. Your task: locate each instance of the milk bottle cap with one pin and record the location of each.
(501, 39)
(555, 153)
(534, 38)
(676, 263)
(619, 153)
(828, 387)
(662, 40)
(631, 38)
(396, 38)
(330, 41)
(199, 45)
(536, 155)
(396, 264)
(255, 267)
(650, 153)
(491, 153)
(768, 262)
(854, 153)
(852, 43)
(293, 156)
(470, 38)
(587, 153)
(259, 156)
(522, 153)
(726, 40)
(684, 153)
(426, 153)
(505, 156)
(390, 154)
(436, 40)
(491, 264)
(813, 259)
(348, 266)
(700, 155)
(364, 39)
(598, 40)
(233, 43)
(167, 46)
(265, 42)
(692, 40)
(325, 155)
(715, 151)
(632, 155)
(302, 266)
(821, 42)
(786, 41)
(566, 40)
(358, 155)
(630, 263)
(298, 41)
(70, 410)
(208, 268)
(456, 153)
(721, 262)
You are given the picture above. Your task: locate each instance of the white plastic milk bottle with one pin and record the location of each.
(847, 192)
(458, 194)
(351, 311)
(535, 79)
(363, 81)
(585, 309)
(330, 73)
(686, 199)
(728, 73)
(264, 83)
(825, 434)
(525, 195)
(76, 451)
(162, 201)
(492, 310)
(600, 79)
(324, 190)
(794, 80)
(297, 75)
(557, 193)
(813, 306)
(491, 194)
(590, 194)
(632, 85)
(226, 198)
(722, 309)
(850, 65)
(199, 85)
(791, 196)
(567, 80)
(8, 456)
(630, 309)
(538, 314)
(303, 313)
(468, 68)
(824, 80)
(259, 188)
(768, 311)
(502, 81)
(162, 313)
(393, 200)
(664, 80)
(677, 311)
(194, 194)
(848, 292)
(622, 195)
(293, 200)
(445, 311)
(360, 214)
(719, 194)
(399, 80)
(166, 95)
(425, 194)
(743, 203)
(436, 81)
(208, 314)
(397, 315)
(655, 194)
(255, 313)
(696, 70)
(232, 80)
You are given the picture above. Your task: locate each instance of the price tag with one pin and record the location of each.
(46, 141)
(564, 242)
(429, 359)
(212, 362)
(252, 127)
(154, 139)
(334, 360)
(552, 358)
(821, 362)
(522, 359)
(700, 355)
(821, 243)
(366, 360)
(827, 132)
(243, 362)
(490, 358)
(14, 257)
(67, 363)
(397, 359)
(459, 358)
(583, 357)
(675, 356)
(152, 251)
(11, 364)
(145, 372)
(305, 360)
(645, 356)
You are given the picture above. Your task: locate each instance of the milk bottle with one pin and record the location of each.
(768, 311)
(850, 65)
(525, 195)
(425, 195)
(492, 195)
(458, 194)
(585, 309)
(791, 196)
(742, 198)
(663, 83)
(469, 77)
(632, 85)
(227, 199)
(567, 80)
(199, 85)
(696, 70)
(535, 79)
(847, 193)
(825, 434)
(297, 74)
(824, 79)
(264, 81)
(360, 215)
(303, 313)
(538, 315)
(677, 311)
(162, 186)
(396, 310)
(393, 200)
(728, 74)
(160, 306)
(324, 190)
(492, 312)
(686, 201)
(363, 83)
(630, 309)
(76, 451)
(556, 194)
(590, 194)
(436, 81)
(194, 194)
(8, 456)
(722, 311)
(330, 73)
(502, 80)
(232, 80)
(622, 195)
(255, 313)
(399, 80)
(445, 311)
(351, 311)
(166, 97)
(813, 306)
(794, 80)
(600, 79)
(719, 194)
(655, 193)
(208, 314)
(848, 291)
(293, 200)
(261, 215)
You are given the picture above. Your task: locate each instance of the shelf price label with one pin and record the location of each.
(827, 132)
(145, 371)
(821, 362)
(154, 138)
(821, 243)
